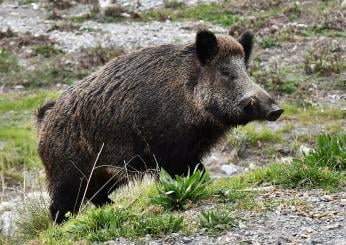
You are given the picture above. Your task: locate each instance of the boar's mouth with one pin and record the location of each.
(227, 119)
(243, 115)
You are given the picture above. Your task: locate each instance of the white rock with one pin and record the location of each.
(229, 169)
(252, 166)
(35, 6)
(19, 87)
(343, 4)
(286, 160)
(304, 150)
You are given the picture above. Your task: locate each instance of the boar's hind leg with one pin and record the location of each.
(100, 200)
(66, 197)
(103, 184)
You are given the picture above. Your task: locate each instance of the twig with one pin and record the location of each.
(92, 171)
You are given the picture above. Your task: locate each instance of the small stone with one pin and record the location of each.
(229, 169)
(242, 225)
(186, 240)
(35, 6)
(274, 28)
(308, 229)
(252, 166)
(19, 87)
(332, 226)
(285, 150)
(286, 160)
(327, 198)
(343, 4)
(303, 150)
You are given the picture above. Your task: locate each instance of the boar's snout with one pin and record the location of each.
(274, 112)
(257, 108)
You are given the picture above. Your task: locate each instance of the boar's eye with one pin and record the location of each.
(227, 74)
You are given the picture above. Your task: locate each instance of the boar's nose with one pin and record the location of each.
(274, 113)
(259, 108)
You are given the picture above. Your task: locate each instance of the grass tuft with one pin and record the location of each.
(297, 175)
(110, 222)
(175, 193)
(207, 12)
(33, 218)
(46, 50)
(216, 220)
(8, 62)
(324, 60)
(330, 152)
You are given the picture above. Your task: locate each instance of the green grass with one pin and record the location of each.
(33, 218)
(175, 193)
(98, 225)
(8, 62)
(329, 153)
(14, 102)
(279, 80)
(298, 175)
(310, 114)
(324, 60)
(24, 2)
(18, 133)
(315, 170)
(43, 76)
(174, 4)
(208, 12)
(255, 134)
(46, 50)
(268, 42)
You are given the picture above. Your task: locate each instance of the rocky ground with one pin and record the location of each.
(316, 218)
(321, 220)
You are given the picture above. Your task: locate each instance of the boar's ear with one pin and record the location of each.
(246, 40)
(206, 46)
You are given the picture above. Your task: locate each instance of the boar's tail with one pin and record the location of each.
(42, 111)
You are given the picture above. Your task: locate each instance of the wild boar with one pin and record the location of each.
(165, 106)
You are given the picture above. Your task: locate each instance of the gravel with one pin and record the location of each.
(127, 35)
(150, 4)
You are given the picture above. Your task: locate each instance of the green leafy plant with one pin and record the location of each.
(216, 220)
(174, 193)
